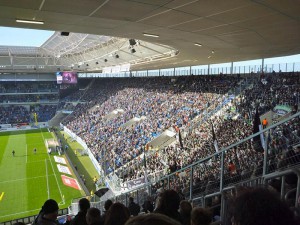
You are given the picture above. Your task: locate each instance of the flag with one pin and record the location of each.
(214, 138)
(180, 139)
(257, 143)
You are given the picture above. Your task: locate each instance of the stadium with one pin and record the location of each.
(163, 111)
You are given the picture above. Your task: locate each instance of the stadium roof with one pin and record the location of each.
(227, 30)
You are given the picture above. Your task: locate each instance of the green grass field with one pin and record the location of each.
(28, 179)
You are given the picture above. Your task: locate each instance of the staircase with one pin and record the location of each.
(55, 121)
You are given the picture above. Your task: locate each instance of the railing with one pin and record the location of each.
(211, 175)
(212, 69)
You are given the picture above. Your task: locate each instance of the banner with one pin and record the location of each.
(63, 169)
(71, 182)
(134, 183)
(60, 160)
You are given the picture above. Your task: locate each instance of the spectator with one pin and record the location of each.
(185, 209)
(148, 205)
(265, 123)
(260, 207)
(201, 216)
(80, 218)
(48, 213)
(108, 203)
(169, 205)
(93, 216)
(117, 214)
(134, 208)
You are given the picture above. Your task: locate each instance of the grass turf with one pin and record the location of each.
(28, 179)
(83, 162)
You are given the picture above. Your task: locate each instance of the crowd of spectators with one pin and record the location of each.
(28, 87)
(174, 104)
(29, 98)
(14, 114)
(243, 161)
(250, 206)
(160, 103)
(28, 92)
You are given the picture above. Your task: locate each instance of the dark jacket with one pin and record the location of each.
(79, 219)
(43, 221)
(134, 209)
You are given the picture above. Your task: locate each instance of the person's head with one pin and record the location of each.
(107, 204)
(259, 207)
(170, 200)
(150, 219)
(84, 204)
(50, 209)
(201, 216)
(93, 216)
(117, 214)
(131, 199)
(185, 208)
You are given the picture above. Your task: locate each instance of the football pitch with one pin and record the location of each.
(29, 178)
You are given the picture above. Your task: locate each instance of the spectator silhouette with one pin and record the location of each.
(169, 204)
(93, 216)
(260, 207)
(80, 218)
(108, 203)
(117, 214)
(133, 207)
(201, 216)
(185, 210)
(48, 213)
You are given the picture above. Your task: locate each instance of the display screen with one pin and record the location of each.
(66, 77)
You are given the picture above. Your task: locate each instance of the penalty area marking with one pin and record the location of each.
(20, 213)
(21, 179)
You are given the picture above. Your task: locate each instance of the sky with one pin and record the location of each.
(23, 37)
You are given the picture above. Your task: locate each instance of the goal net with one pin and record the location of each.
(51, 145)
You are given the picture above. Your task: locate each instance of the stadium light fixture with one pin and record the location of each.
(29, 21)
(198, 44)
(150, 35)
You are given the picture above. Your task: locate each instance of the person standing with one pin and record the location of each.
(265, 123)
(13, 152)
(134, 208)
(80, 218)
(34, 150)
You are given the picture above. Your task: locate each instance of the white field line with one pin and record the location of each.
(26, 153)
(20, 213)
(61, 195)
(48, 189)
(8, 181)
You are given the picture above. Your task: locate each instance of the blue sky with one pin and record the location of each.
(23, 37)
